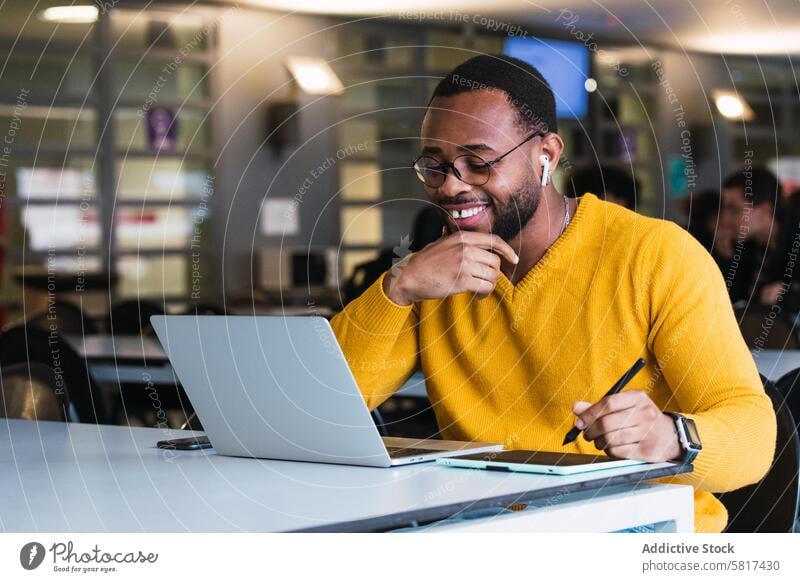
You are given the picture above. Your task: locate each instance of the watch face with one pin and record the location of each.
(691, 433)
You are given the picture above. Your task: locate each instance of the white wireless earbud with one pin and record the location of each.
(545, 161)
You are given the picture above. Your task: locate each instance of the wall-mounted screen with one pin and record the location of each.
(564, 64)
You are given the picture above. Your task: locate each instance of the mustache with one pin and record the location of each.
(461, 199)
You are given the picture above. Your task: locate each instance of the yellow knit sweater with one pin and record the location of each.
(615, 286)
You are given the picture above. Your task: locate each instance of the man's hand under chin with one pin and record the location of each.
(461, 262)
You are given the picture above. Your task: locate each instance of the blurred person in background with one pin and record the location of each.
(701, 212)
(427, 227)
(606, 182)
(793, 200)
(756, 237)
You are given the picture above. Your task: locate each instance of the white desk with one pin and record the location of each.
(84, 478)
(773, 364)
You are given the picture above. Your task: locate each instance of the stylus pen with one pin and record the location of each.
(621, 383)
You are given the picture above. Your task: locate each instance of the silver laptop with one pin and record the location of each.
(280, 388)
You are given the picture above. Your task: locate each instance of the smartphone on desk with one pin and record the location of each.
(196, 443)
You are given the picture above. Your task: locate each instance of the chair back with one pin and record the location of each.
(32, 392)
(132, 317)
(766, 330)
(28, 344)
(65, 318)
(771, 504)
(789, 389)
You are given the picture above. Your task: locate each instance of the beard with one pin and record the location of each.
(512, 217)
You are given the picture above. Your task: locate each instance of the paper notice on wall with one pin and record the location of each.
(47, 182)
(280, 217)
(787, 168)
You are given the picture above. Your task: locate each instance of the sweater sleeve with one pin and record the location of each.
(379, 340)
(699, 349)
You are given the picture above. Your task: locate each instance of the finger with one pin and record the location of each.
(609, 404)
(502, 248)
(630, 451)
(484, 272)
(580, 406)
(630, 435)
(611, 422)
(487, 258)
(481, 287)
(491, 242)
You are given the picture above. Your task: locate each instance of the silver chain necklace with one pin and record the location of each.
(566, 216)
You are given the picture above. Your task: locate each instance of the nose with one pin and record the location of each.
(452, 186)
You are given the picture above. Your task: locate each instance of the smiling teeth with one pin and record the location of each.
(467, 212)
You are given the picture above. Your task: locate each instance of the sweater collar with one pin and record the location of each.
(537, 273)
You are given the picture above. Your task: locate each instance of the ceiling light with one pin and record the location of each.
(80, 14)
(314, 76)
(770, 39)
(732, 106)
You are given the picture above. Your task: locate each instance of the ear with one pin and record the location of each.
(552, 147)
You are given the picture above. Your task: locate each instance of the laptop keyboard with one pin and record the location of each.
(399, 452)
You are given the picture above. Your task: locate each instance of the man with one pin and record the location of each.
(532, 305)
(753, 255)
(701, 212)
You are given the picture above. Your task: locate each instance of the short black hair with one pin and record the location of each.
(525, 88)
(601, 179)
(758, 184)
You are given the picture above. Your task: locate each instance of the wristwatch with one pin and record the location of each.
(687, 436)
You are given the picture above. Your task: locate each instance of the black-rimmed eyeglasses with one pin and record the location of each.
(469, 168)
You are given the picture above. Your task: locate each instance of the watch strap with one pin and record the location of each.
(689, 454)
